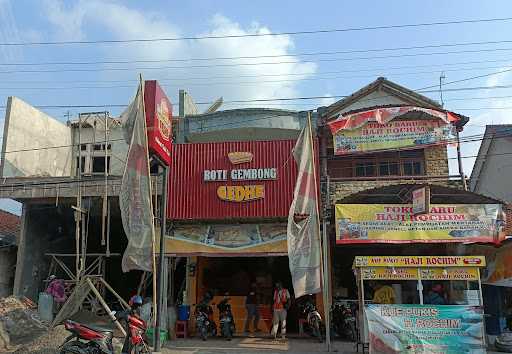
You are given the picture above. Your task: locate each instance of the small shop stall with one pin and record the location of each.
(420, 304)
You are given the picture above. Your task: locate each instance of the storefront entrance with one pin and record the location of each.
(234, 276)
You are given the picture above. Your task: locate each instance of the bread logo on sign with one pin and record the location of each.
(239, 157)
(164, 122)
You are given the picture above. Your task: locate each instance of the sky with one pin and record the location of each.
(281, 71)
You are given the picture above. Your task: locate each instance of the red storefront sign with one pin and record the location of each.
(231, 180)
(158, 120)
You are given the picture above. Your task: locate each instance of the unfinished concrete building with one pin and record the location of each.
(67, 176)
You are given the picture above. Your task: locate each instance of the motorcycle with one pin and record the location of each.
(343, 320)
(204, 321)
(85, 339)
(313, 319)
(503, 342)
(227, 322)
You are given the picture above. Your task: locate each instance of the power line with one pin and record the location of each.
(251, 35)
(259, 82)
(174, 79)
(205, 66)
(284, 99)
(471, 78)
(115, 178)
(469, 138)
(351, 51)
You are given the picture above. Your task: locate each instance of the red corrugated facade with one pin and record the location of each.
(191, 198)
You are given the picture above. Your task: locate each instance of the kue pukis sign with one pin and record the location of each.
(253, 179)
(158, 120)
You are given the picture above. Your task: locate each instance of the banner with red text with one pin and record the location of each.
(396, 223)
(446, 329)
(392, 135)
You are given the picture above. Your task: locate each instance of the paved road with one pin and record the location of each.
(257, 346)
(253, 346)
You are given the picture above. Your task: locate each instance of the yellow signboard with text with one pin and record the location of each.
(419, 261)
(396, 223)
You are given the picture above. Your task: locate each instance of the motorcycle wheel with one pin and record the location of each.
(140, 349)
(74, 347)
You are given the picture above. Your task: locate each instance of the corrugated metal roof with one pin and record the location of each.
(191, 198)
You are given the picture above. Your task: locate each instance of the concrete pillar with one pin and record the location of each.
(17, 289)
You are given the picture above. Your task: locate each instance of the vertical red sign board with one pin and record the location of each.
(158, 120)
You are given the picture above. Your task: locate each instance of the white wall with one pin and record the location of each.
(88, 135)
(494, 180)
(26, 128)
(375, 98)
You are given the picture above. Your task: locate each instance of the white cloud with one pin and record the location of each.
(327, 100)
(123, 22)
(8, 33)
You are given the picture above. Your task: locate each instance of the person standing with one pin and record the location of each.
(436, 296)
(57, 291)
(281, 304)
(251, 305)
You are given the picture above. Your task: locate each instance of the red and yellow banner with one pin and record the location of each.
(396, 223)
(392, 135)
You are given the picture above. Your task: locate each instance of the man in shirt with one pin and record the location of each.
(384, 294)
(251, 305)
(281, 301)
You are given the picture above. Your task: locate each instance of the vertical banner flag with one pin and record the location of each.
(303, 231)
(135, 194)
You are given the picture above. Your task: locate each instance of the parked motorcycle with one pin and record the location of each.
(205, 325)
(343, 320)
(503, 342)
(314, 319)
(85, 339)
(227, 322)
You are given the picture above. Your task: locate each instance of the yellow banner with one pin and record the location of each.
(419, 261)
(366, 223)
(467, 273)
(386, 273)
(394, 134)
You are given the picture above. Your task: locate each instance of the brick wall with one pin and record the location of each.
(436, 164)
(436, 161)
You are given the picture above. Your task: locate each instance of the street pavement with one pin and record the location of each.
(253, 346)
(257, 346)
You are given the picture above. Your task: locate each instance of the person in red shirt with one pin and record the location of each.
(281, 302)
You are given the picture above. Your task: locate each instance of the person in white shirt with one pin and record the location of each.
(281, 302)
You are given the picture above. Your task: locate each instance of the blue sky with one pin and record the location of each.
(340, 74)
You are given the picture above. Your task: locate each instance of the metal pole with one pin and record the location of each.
(459, 158)
(161, 271)
(78, 213)
(326, 276)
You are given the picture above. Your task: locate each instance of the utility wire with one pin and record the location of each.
(469, 138)
(257, 63)
(251, 35)
(245, 83)
(190, 78)
(10, 186)
(304, 54)
(282, 99)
